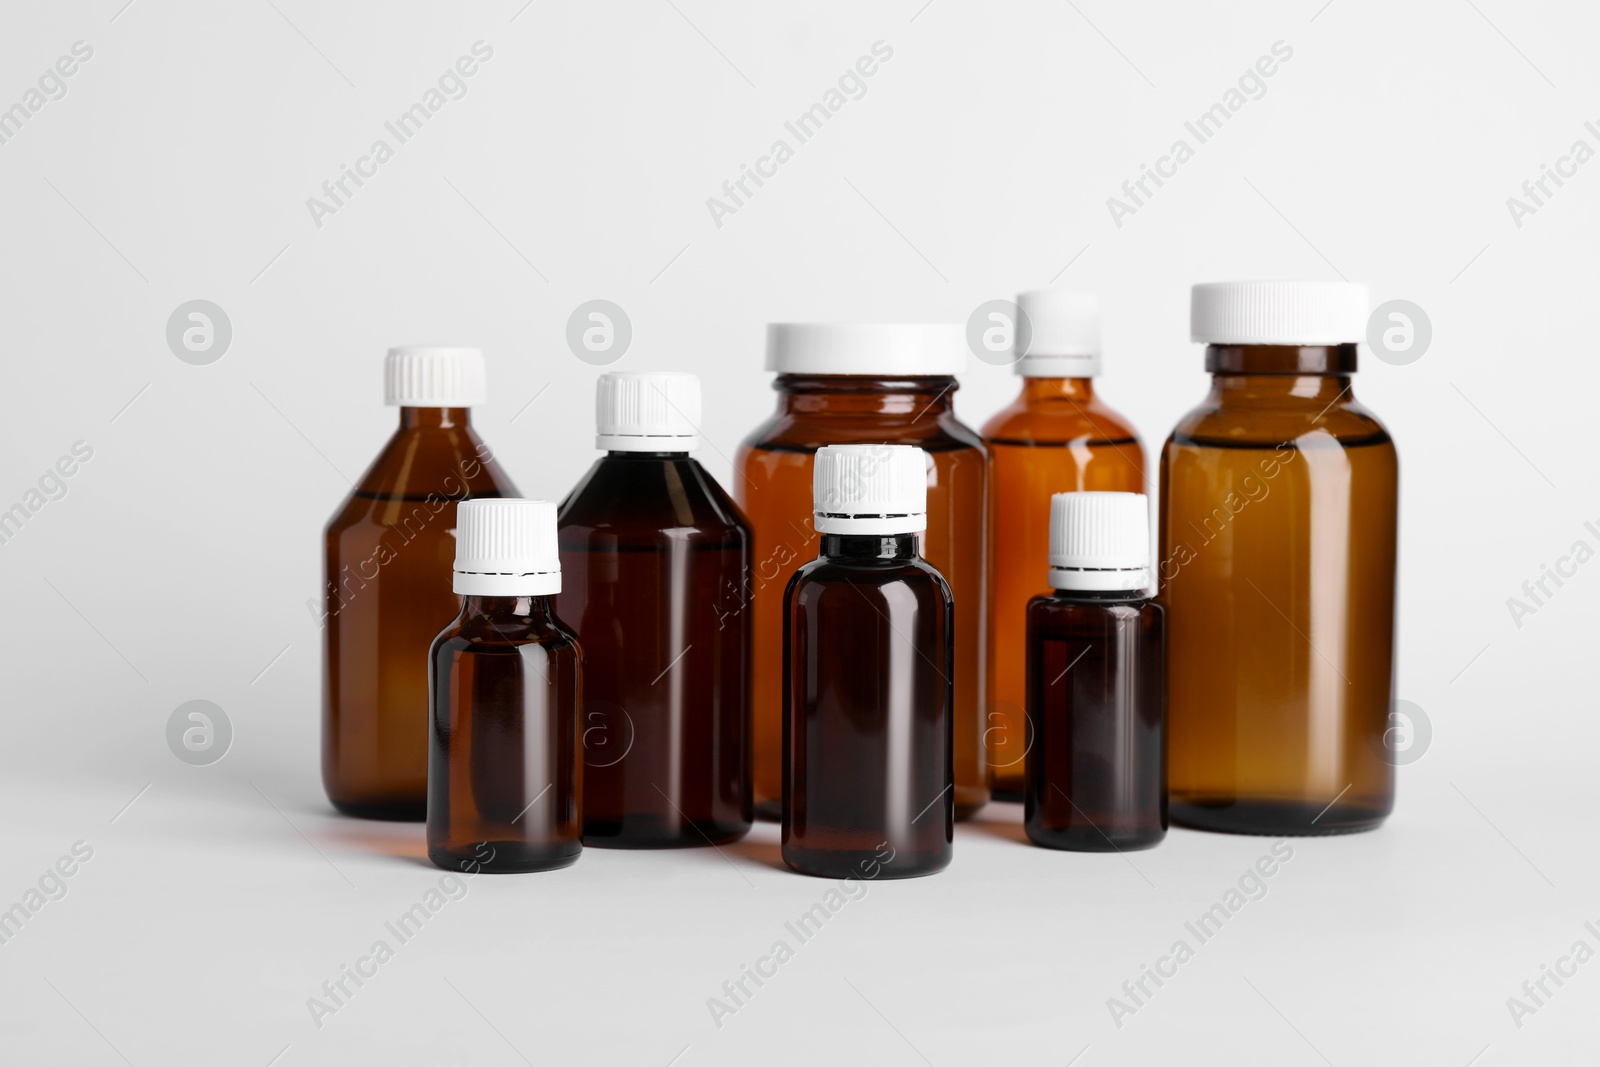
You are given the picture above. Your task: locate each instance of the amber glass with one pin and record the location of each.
(1278, 525)
(651, 547)
(773, 485)
(1056, 437)
(387, 557)
(505, 775)
(1096, 774)
(867, 715)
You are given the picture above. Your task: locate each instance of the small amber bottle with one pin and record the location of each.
(859, 383)
(1096, 774)
(387, 554)
(651, 546)
(868, 782)
(505, 775)
(1279, 498)
(1058, 436)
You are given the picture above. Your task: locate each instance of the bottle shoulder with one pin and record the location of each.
(647, 498)
(507, 633)
(788, 432)
(853, 577)
(418, 464)
(1279, 423)
(1060, 422)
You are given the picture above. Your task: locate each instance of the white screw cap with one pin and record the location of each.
(870, 489)
(647, 412)
(1278, 313)
(911, 349)
(506, 547)
(1066, 334)
(1099, 541)
(430, 376)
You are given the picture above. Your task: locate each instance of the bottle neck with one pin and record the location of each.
(1289, 360)
(853, 394)
(898, 546)
(521, 608)
(626, 455)
(1042, 392)
(435, 418)
(1103, 596)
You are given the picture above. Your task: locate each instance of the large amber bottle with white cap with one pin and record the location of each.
(387, 556)
(1057, 436)
(1279, 498)
(862, 384)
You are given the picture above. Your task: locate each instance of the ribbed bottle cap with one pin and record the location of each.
(428, 376)
(647, 412)
(1099, 541)
(909, 349)
(506, 547)
(1065, 329)
(870, 489)
(1278, 313)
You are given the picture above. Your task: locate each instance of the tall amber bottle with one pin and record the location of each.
(1057, 436)
(649, 542)
(862, 384)
(505, 778)
(387, 556)
(1279, 498)
(867, 671)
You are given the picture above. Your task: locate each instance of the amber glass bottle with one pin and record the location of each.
(1056, 437)
(868, 781)
(1096, 774)
(505, 775)
(650, 544)
(1279, 499)
(851, 384)
(387, 553)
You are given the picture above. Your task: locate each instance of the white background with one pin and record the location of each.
(179, 563)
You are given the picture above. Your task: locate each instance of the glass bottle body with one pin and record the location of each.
(1279, 498)
(1056, 437)
(773, 486)
(650, 547)
(1096, 774)
(387, 554)
(505, 774)
(868, 777)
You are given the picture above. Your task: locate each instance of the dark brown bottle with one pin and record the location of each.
(387, 555)
(868, 782)
(505, 775)
(652, 549)
(854, 383)
(1096, 774)
(1279, 501)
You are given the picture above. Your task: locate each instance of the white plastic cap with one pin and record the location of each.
(1099, 541)
(870, 489)
(1278, 313)
(426, 376)
(912, 349)
(1065, 326)
(647, 412)
(506, 547)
